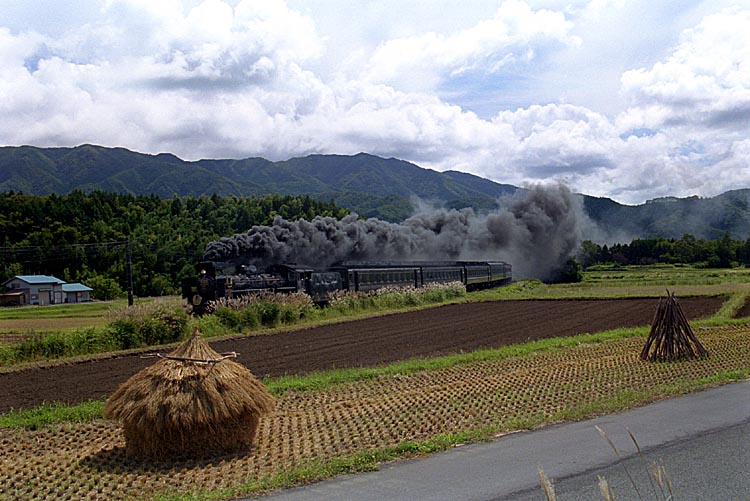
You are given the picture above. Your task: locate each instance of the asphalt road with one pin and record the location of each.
(703, 440)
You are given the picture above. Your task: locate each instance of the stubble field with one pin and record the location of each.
(314, 430)
(351, 426)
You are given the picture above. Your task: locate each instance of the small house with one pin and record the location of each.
(76, 293)
(37, 289)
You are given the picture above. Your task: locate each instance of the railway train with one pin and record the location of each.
(213, 283)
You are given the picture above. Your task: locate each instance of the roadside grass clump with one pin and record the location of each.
(47, 346)
(395, 297)
(658, 478)
(264, 309)
(268, 310)
(147, 324)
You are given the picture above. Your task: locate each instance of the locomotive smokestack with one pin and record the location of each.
(536, 231)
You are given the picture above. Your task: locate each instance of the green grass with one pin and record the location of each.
(95, 309)
(629, 281)
(53, 413)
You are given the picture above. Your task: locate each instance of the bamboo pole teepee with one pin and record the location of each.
(671, 337)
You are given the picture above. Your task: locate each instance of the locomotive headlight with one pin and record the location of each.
(197, 300)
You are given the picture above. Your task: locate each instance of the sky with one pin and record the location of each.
(626, 99)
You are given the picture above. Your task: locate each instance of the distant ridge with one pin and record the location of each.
(370, 185)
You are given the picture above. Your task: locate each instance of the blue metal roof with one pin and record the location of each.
(38, 279)
(76, 288)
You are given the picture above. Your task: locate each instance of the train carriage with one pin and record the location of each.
(349, 275)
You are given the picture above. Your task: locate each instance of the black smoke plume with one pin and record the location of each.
(536, 231)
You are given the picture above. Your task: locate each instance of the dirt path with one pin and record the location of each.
(426, 333)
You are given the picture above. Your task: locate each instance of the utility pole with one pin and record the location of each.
(129, 272)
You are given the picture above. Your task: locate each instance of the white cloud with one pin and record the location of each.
(706, 81)
(511, 37)
(231, 78)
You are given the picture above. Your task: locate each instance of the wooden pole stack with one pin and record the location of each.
(671, 337)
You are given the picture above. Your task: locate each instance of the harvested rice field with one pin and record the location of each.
(89, 461)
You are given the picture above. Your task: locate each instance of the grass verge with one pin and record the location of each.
(52, 413)
(357, 463)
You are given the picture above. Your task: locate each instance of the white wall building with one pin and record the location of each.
(43, 290)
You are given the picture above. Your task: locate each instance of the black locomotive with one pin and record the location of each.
(213, 283)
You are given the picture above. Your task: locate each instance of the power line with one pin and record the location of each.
(86, 245)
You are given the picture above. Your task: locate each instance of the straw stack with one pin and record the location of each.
(193, 402)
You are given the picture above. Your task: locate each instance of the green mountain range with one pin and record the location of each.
(370, 185)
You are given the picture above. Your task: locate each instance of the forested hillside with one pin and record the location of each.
(366, 184)
(370, 185)
(81, 236)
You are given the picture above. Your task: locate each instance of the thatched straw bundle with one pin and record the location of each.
(193, 402)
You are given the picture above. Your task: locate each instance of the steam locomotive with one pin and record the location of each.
(213, 282)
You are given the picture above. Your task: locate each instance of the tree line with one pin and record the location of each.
(81, 237)
(724, 252)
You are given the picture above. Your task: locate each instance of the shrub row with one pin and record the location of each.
(148, 324)
(396, 297)
(145, 324)
(269, 310)
(262, 310)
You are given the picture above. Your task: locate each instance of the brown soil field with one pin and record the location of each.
(744, 311)
(425, 333)
(88, 461)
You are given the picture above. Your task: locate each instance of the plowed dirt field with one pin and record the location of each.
(425, 333)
